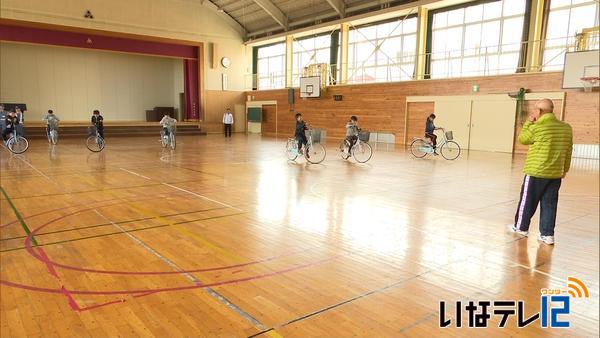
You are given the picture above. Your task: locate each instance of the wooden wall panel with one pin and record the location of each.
(217, 101)
(380, 107)
(417, 115)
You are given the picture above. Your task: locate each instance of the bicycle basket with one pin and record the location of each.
(316, 135)
(364, 136)
(449, 135)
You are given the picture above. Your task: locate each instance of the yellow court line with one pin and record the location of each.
(274, 334)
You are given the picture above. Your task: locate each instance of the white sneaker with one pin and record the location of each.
(546, 239)
(512, 228)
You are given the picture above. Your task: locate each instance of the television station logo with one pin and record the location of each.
(555, 306)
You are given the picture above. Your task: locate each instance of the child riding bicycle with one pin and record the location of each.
(429, 131)
(352, 130)
(51, 121)
(167, 123)
(300, 134)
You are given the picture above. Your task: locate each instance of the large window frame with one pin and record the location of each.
(558, 41)
(370, 46)
(271, 66)
(494, 54)
(315, 49)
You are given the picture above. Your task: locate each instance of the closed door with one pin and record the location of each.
(493, 125)
(454, 116)
(239, 118)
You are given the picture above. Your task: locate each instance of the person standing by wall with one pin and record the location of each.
(20, 121)
(2, 118)
(228, 122)
(548, 160)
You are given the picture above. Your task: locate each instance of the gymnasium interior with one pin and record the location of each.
(392, 206)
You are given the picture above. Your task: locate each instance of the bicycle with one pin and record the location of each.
(95, 142)
(449, 149)
(314, 151)
(17, 144)
(168, 138)
(53, 132)
(361, 151)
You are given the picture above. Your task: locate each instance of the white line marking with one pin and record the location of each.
(189, 276)
(154, 252)
(29, 164)
(204, 197)
(136, 174)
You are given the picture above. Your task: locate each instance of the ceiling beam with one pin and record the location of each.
(228, 18)
(339, 6)
(274, 12)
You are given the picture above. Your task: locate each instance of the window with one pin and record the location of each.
(271, 66)
(566, 19)
(488, 36)
(382, 52)
(309, 51)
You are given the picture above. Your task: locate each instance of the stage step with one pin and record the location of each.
(110, 131)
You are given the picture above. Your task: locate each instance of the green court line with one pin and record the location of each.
(21, 220)
(128, 231)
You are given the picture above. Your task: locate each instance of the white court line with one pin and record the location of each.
(204, 197)
(136, 174)
(154, 252)
(29, 164)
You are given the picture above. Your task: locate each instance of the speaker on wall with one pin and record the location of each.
(290, 95)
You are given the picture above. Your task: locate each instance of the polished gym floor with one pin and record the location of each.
(227, 238)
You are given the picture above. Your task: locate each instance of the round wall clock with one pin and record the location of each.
(226, 62)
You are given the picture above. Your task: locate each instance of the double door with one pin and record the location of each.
(486, 123)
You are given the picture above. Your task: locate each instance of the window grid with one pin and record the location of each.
(309, 51)
(397, 37)
(495, 58)
(560, 35)
(271, 67)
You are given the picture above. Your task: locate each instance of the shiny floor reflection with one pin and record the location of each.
(227, 238)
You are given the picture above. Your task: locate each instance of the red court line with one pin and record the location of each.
(177, 288)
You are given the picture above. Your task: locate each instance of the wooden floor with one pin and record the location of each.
(226, 238)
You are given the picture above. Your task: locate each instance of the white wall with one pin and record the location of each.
(73, 82)
(177, 19)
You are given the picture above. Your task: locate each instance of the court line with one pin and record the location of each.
(105, 224)
(118, 233)
(36, 169)
(148, 248)
(211, 292)
(349, 300)
(98, 190)
(204, 197)
(19, 217)
(136, 174)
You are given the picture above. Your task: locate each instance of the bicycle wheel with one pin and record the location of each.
(53, 137)
(164, 141)
(419, 148)
(344, 149)
(450, 150)
(172, 141)
(291, 150)
(17, 145)
(362, 152)
(95, 143)
(315, 153)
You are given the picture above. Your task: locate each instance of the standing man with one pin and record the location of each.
(227, 122)
(548, 160)
(2, 117)
(21, 121)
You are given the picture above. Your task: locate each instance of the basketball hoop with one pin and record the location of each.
(589, 82)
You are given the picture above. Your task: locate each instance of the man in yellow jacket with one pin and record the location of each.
(548, 160)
